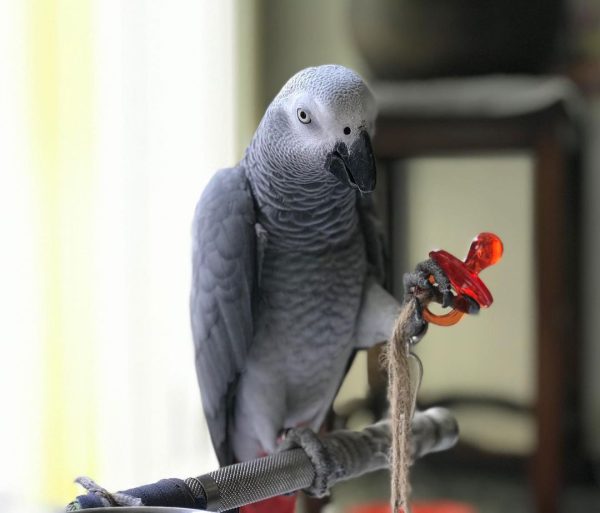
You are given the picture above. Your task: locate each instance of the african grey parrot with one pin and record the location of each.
(287, 263)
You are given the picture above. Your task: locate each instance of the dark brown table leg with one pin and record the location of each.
(553, 316)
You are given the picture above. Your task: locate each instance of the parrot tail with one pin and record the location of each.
(278, 504)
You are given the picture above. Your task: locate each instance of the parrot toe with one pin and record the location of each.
(429, 277)
(312, 445)
(466, 304)
(418, 326)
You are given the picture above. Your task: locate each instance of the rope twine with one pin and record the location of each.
(401, 397)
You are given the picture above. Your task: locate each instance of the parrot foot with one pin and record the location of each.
(440, 290)
(418, 280)
(314, 448)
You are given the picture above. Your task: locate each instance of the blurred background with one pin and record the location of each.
(114, 115)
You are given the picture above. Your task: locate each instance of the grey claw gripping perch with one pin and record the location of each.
(339, 456)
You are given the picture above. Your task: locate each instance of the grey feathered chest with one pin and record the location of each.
(312, 302)
(312, 298)
(312, 274)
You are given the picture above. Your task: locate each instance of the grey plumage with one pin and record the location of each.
(286, 266)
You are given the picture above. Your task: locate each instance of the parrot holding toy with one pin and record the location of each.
(287, 266)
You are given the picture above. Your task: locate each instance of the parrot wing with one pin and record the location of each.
(223, 294)
(375, 242)
(379, 308)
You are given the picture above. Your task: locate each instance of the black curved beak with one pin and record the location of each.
(354, 167)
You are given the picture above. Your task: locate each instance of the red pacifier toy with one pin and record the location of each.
(486, 249)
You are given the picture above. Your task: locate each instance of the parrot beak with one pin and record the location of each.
(356, 167)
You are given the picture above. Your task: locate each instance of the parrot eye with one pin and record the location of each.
(303, 116)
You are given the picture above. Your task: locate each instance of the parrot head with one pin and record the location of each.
(319, 127)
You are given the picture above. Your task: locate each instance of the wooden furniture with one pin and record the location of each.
(542, 115)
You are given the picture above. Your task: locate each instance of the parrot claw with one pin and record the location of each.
(418, 326)
(282, 435)
(419, 280)
(428, 276)
(470, 305)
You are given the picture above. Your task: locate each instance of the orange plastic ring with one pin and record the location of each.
(448, 319)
